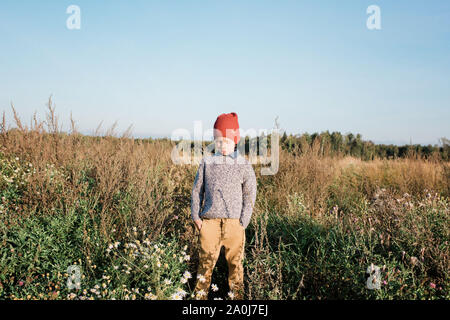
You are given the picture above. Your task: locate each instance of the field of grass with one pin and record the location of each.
(119, 209)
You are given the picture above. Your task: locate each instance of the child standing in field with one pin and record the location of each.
(226, 182)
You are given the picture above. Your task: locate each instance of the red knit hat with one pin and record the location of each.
(227, 121)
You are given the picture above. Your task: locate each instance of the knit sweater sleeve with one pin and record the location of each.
(198, 191)
(248, 195)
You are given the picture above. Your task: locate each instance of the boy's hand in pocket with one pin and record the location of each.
(198, 224)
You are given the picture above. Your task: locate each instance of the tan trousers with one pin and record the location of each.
(213, 234)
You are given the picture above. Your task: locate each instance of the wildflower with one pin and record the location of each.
(187, 275)
(214, 287)
(201, 293)
(201, 278)
(183, 280)
(181, 292)
(167, 281)
(231, 295)
(187, 258)
(158, 264)
(432, 285)
(176, 296)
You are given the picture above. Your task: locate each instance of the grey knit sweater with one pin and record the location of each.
(227, 185)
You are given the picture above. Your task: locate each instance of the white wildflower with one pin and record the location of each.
(201, 278)
(176, 296)
(201, 293)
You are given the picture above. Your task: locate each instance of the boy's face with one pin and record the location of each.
(224, 145)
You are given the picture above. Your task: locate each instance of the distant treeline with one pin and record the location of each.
(337, 144)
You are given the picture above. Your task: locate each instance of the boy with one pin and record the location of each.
(227, 183)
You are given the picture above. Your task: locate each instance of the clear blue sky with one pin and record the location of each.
(161, 65)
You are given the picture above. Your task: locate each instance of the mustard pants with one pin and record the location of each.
(213, 234)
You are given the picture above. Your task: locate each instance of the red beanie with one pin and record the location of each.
(227, 121)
